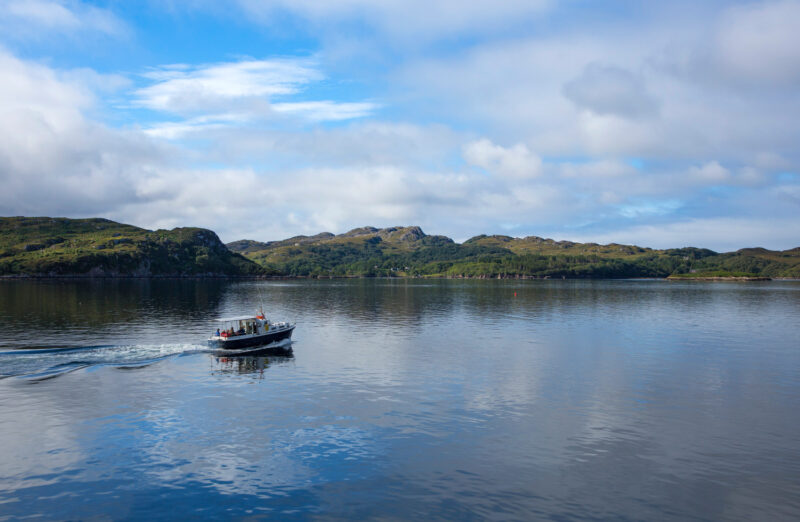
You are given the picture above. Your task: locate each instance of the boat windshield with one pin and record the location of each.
(239, 326)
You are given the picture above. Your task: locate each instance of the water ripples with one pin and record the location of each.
(46, 363)
(435, 399)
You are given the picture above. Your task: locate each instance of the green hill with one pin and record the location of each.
(42, 246)
(408, 251)
(759, 261)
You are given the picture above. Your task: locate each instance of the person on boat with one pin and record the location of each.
(217, 332)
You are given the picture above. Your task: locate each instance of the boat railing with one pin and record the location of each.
(267, 327)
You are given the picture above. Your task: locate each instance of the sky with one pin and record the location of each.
(619, 121)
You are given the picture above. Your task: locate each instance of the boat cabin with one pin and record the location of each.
(250, 330)
(241, 326)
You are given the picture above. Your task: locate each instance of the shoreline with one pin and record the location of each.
(720, 278)
(27, 277)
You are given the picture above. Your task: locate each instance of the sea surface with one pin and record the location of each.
(459, 400)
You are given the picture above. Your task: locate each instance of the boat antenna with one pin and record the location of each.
(260, 298)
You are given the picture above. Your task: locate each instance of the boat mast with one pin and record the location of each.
(261, 300)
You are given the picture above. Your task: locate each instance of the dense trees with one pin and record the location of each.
(58, 246)
(499, 256)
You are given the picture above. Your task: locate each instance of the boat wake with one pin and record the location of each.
(46, 363)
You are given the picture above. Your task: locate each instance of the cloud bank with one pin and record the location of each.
(659, 126)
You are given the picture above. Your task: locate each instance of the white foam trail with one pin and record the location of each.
(43, 364)
(47, 363)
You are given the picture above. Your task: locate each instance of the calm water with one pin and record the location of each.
(570, 400)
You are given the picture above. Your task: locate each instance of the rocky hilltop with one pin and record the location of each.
(43, 246)
(408, 251)
(60, 247)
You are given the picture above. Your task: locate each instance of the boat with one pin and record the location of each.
(238, 333)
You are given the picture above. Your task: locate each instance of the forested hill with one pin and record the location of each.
(43, 246)
(408, 251)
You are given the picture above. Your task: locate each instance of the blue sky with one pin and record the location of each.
(660, 125)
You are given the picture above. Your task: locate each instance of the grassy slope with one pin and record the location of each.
(365, 251)
(60, 246)
(408, 251)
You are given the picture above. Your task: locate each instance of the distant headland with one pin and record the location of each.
(96, 247)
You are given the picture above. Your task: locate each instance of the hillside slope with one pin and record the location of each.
(408, 251)
(43, 246)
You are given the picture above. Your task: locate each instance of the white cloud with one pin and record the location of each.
(653, 208)
(52, 159)
(611, 135)
(536, 132)
(47, 14)
(711, 172)
(552, 91)
(216, 95)
(356, 143)
(326, 110)
(759, 42)
(35, 19)
(789, 193)
(197, 89)
(517, 162)
(722, 234)
(600, 169)
(410, 22)
(605, 89)
(241, 203)
(200, 124)
(748, 175)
